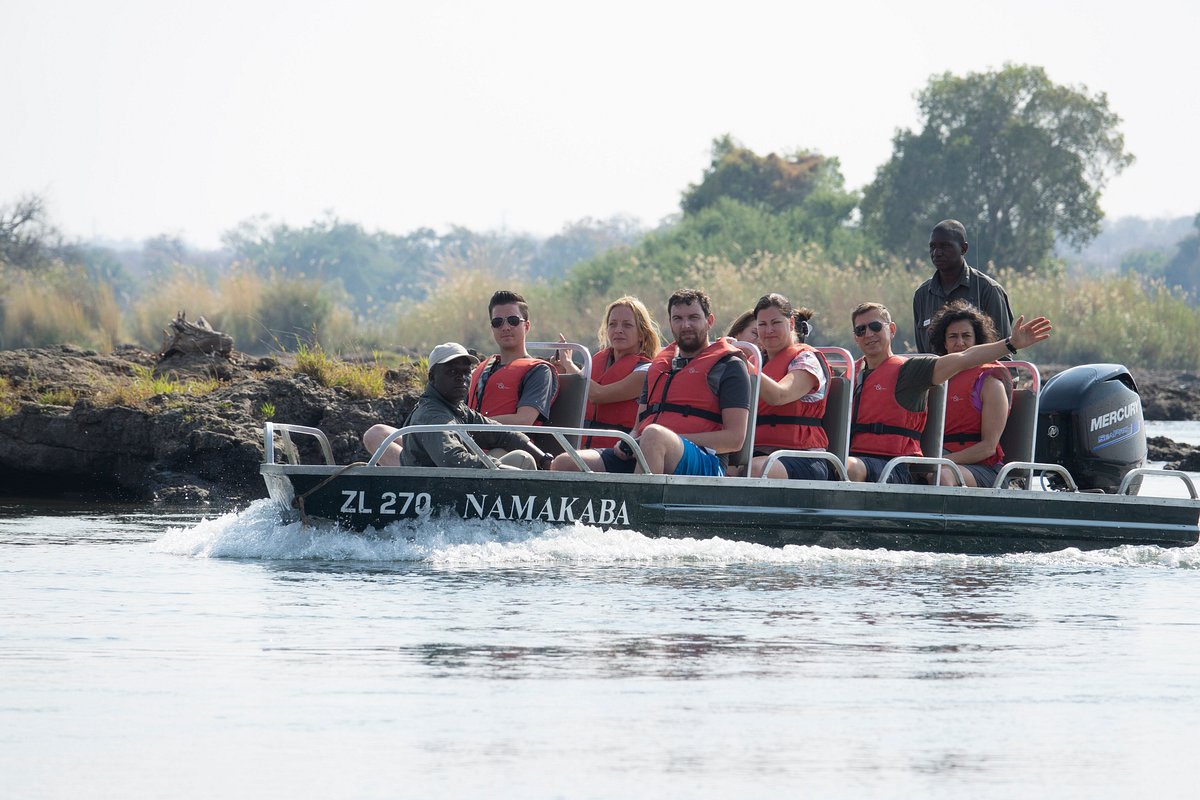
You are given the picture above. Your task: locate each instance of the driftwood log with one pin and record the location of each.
(194, 338)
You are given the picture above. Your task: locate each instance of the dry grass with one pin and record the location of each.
(137, 391)
(362, 381)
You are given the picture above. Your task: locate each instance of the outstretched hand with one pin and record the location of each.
(1026, 334)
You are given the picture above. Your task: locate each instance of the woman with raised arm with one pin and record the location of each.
(792, 393)
(977, 399)
(628, 341)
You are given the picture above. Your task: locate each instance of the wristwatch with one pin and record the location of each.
(1008, 343)
(545, 459)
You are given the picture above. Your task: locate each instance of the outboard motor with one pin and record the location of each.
(1090, 421)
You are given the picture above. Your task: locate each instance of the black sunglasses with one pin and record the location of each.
(876, 326)
(512, 321)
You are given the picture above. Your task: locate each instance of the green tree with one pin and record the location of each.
(776, 182)
(27, 239)
(1183, 270)
(1012, 155)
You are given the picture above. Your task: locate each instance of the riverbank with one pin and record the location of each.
(62, 432)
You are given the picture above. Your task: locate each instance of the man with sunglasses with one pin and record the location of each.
(512, 387)
(891, 392)
(955, 279)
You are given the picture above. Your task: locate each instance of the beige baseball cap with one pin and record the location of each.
(449, 351)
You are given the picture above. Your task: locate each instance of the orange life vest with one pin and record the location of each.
(964, 417)
(883, 427)
(794, 425)
(500, 392)
(681, 400)
(621, 415)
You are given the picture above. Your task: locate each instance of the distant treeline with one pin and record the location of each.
(993, 153)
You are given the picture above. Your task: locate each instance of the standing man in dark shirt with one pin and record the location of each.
(956, 279)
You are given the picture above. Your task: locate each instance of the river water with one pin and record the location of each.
(197, 653)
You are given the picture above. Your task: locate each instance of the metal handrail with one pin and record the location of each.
(289, 447)
(559, 434)
(820, 455)
(1034, 466)
(1138, 472)
(926, 460)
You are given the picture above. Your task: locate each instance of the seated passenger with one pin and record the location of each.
(694, 405)
(744, 328)
(442, 404)
(792, 392)
(977, 399)
(628, 340)
(890, 392)
(512, 387)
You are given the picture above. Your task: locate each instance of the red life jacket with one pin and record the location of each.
(620, 415)
(794, 425)
(502, 389)
(964, 418)
(681, 400)
(883, 427)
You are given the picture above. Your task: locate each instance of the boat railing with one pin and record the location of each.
(835, 463)
(1027, 469)
(937, 463)
(1131, 483)
(559, 433)
(284, 432)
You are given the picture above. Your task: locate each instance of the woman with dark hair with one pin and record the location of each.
(792, 393)
(977, 399)
(744, 328)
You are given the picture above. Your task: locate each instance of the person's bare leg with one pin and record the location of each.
(662, 448)
(856, 469)
(375, 436)
(564, 463)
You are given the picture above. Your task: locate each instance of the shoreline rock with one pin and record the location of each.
(189, 448)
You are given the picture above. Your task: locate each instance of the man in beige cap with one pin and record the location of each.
(450, 368)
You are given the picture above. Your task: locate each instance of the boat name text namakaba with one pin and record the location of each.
(528, 508)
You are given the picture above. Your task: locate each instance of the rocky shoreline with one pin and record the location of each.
(188, 448)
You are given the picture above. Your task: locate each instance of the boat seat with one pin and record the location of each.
(570, 404)
(836, 421)
(931, 438)
(567, 410)
(745, 454)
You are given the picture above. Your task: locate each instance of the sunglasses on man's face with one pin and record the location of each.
(512, 321)
(875, 325)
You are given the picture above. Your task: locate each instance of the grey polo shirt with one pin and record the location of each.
(975, 287)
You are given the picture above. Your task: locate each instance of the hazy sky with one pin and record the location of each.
(140, 118)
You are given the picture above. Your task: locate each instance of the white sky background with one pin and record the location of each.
(140, 118)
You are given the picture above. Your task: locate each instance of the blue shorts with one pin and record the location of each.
(875, 465)
(805, 469)
(698, 461)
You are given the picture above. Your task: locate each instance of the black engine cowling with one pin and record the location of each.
(1090, 421)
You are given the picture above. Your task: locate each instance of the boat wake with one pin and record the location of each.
(257, 533)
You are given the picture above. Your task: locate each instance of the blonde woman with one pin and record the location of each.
(629, 339)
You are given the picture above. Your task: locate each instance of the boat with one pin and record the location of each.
(1088, 496)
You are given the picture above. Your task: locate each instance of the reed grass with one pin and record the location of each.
(362, 381)
(137, 391)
